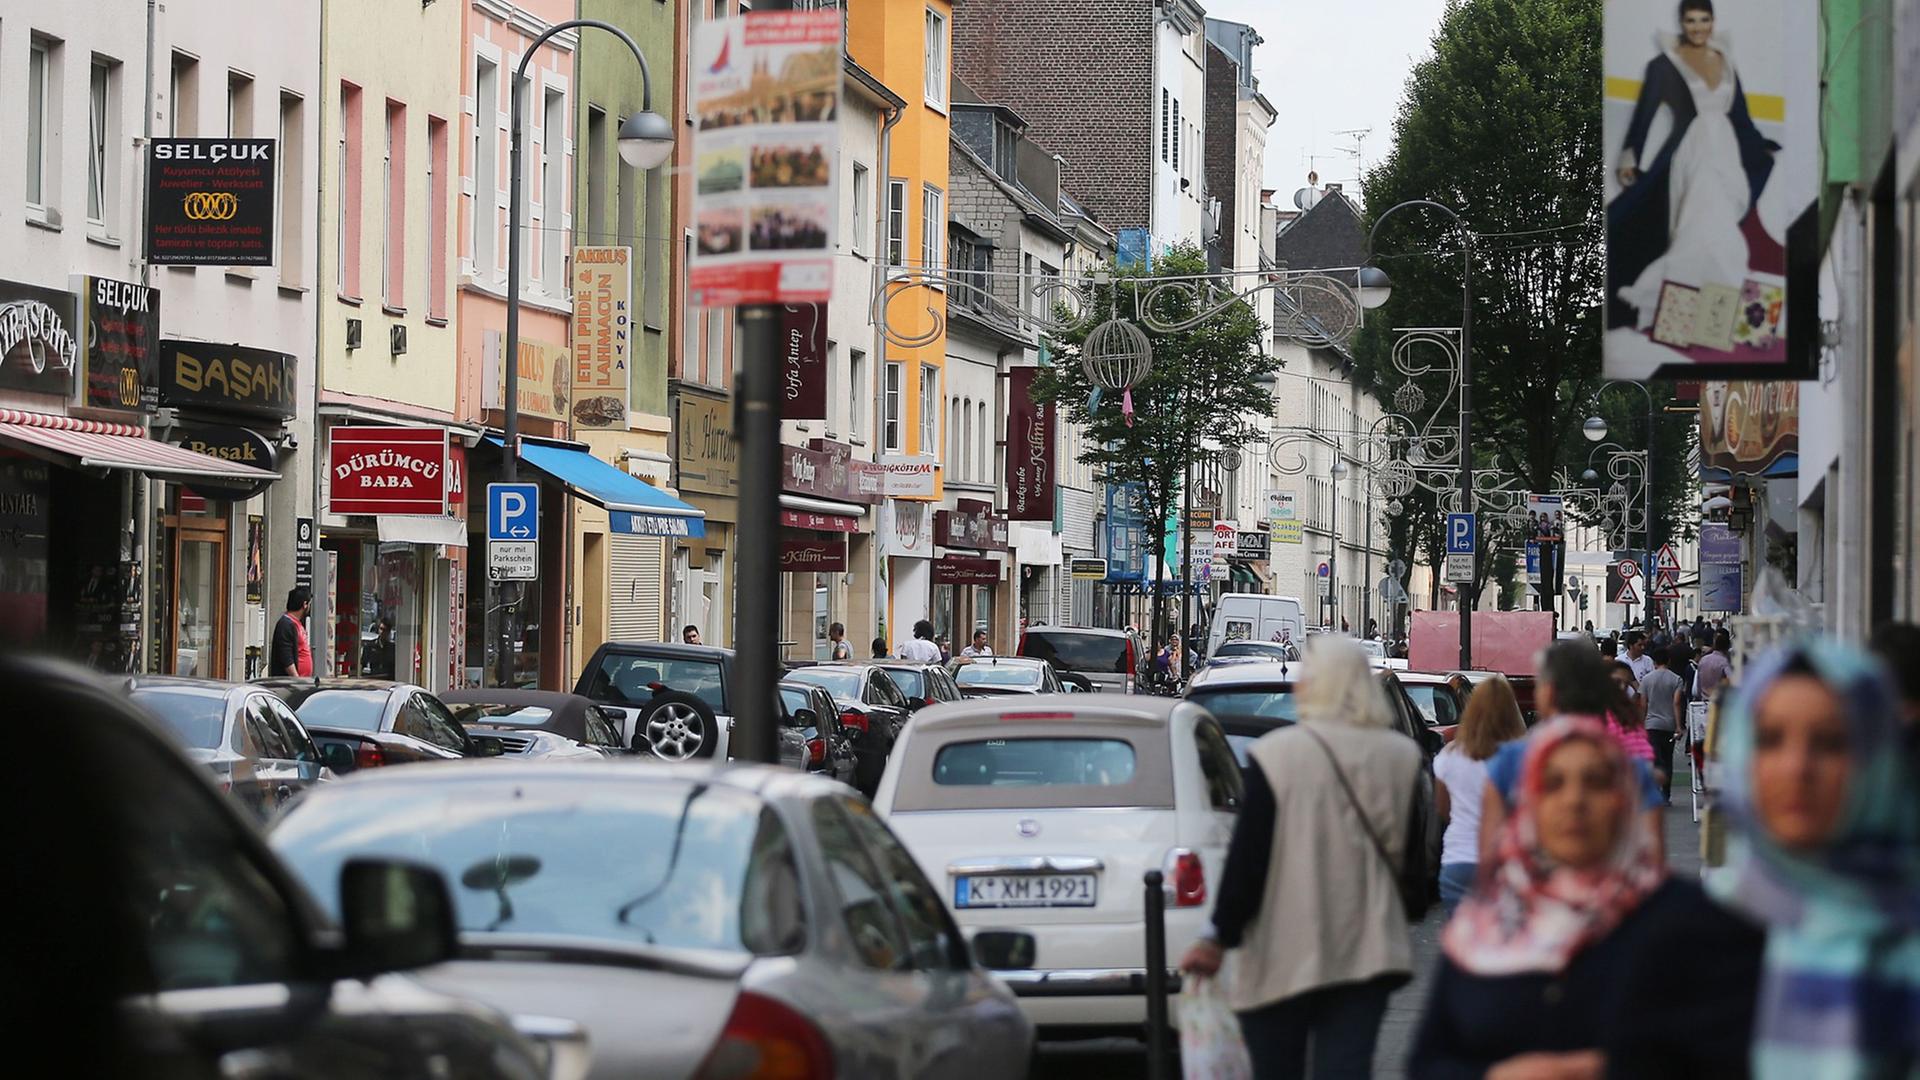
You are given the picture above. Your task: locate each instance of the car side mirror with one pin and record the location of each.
(1432, 741)
(486, 745)
(337, 756)
(806, 718)
(397, 916)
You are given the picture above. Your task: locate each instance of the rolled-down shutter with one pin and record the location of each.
(636, 589)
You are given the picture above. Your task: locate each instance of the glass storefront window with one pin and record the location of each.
(822, 614)
(201, 578)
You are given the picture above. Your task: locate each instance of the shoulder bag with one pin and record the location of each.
(1409, 877)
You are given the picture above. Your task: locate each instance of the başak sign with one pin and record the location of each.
(387, 470)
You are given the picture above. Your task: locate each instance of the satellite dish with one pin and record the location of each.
(1306, 197)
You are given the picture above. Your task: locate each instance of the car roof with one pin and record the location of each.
(1425, 678)
(296, 682)
(206, 687)
(764, 780)
(1099, 631)
(547, 699)
(1013, 661)
(1146, 710)
(668, 648)
(1246, 671)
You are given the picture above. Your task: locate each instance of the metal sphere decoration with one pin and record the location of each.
(1395, 479)
(1117, 355)
(1394, 507)
(1409, 399)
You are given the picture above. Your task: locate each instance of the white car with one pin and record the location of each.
(1041, 816)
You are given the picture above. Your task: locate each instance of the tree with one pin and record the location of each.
(1192, 404)
(1502, 124)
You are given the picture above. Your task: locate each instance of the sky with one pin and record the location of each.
(1330, 66)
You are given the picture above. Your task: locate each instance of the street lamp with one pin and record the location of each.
(1339, 472)
(646, 138)
(1595, 429)
(1372, 288)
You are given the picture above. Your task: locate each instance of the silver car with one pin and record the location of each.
(693, 919)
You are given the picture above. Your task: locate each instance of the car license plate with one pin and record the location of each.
(1023, 890)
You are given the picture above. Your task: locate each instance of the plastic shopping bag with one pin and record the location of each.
(1210, 1043)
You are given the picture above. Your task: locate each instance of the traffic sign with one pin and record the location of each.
(513, 560)
(1627, 595)
(1666, 586)
(1323, 570)
(1666, 560)
(1461, 534)
(1628, 569)
(513, 512)
(1460, 569)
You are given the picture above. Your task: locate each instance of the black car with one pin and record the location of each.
(537, 724)
(871, 705)
(167, 940)
(822, 744)
(254, 745)
(923, 684)
(362, 723)
(672, 699)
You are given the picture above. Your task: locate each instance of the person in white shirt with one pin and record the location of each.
(979, 646)
(1492, 717)
(921, 649)
(1637, 657)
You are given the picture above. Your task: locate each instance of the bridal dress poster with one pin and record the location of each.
(1712, 173)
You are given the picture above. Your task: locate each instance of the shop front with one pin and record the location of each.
(906, 553)
(822, 508)
(706, 473)
(964, 600)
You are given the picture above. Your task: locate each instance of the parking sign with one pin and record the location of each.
(1460, 534)
(513, 511)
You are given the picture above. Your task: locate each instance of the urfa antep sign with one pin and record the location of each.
(210, 202)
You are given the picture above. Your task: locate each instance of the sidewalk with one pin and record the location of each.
(1402, 1021)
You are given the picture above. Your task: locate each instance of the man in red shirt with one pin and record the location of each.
(292, 653)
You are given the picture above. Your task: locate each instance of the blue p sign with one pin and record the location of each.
(513, 511)
(1460, 538)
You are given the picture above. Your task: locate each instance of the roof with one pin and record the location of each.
(875, 89)
(1251, 671)
(1327, 236)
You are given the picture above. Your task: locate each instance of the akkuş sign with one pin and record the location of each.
(210, 202)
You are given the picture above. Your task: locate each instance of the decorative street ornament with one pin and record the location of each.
(1116, 356)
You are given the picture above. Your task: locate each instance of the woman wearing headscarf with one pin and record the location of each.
(1826, 852)
(1536, 959)
(1308, 899)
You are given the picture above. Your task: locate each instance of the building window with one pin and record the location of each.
(183, 100)
(953, 439)
(929, 408)
(290, 192)
(348, 241)
(42, 101)
(1176, 134)
(896, 222)
(486, 168)
(970, 263)
(1006, 150)
(239, 105)
(437, 253)
(890, 426)
(655, 247)
(936, 55)
(969, 466)
(553, 196)
(862, 206)
(986, 446)
(1166, 123)
(393, 179)
(856, 392)
(933, 221)
(102, 118)
(593, 230)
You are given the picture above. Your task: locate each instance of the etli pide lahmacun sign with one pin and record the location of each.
(210, 202)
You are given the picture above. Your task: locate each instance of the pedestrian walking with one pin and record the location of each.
(1680, 661)
(1492, 717)
(922, 648)
(1714, 667)
(1626, 714)
(292, 653)
(879, 647)
(690, 634)
(979, 646)
(839, 647)
(1537, 960)
(1666, 710)
(1825, 851)
(1309, 902)
(1637, 658)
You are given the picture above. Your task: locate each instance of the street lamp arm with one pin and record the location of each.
(1374, 233)
(646, 73)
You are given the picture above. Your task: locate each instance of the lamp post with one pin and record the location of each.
(1595, 429)
(1380, 288)
(646, 138)
(1339, 473)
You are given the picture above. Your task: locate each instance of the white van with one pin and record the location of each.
(1257, 617)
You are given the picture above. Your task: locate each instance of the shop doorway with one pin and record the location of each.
(198, 645)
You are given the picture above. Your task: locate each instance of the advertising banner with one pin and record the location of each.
(765, 92)
(1280, 505)
(1126, 529)
(910, 477)
(803, 356)
(122, 325)
(906, 530)
(39, 347)
(1289, 532)
(1722, 587)
(1251, 544)
(232, 378)
(827, 556)
(1030, 487)
(602, 336)
(387, 470)
(965, 570)
(546, 377)
(1750, 428)
(1712, 144)
(210, 202)
(808, 519)
(705, 454)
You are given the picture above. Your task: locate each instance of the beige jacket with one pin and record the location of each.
(1331, 913)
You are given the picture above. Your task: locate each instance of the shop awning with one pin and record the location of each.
(633, 506)
(75, 447)
(422, 529)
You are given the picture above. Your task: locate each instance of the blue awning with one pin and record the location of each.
(633, 506)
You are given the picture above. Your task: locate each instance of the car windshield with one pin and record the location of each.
(842, 683)
(998, 675)
(1262, 702)
(1088, 654)
(794, 699)
(358, 710)
(1034, 763)
(1240, 744)
(1271, 649)
(1423, 700)
(628, 680)
(531, 858)
(197, 717)
(495, 714)
(911, 681)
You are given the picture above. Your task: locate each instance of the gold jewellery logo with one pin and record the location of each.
(211, 205)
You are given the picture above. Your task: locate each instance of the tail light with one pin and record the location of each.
(368, 756)
(765, 1040)
(1131, 669)
(931, 701)
(1021, 649)
(855, 719)
(1188, 879)
(816, 751)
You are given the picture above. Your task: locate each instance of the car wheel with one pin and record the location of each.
(676, 726)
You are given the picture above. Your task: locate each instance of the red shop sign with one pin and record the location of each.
(962, 570)
(387, 470)
(813, 556)
(807, 519)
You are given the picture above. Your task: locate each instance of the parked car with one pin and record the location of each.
(1523, 692)
(537, 724)
(1440, 697)
(923, 684)
(1108, 659)
(1042, 814)
(364, 723)
(167, 940)
(672, 698)
(822, 744)
(993, 676)
(695, 919)
(1264, 650)
(251, 742)
(870, 704)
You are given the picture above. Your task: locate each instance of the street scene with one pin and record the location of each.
(803, 539)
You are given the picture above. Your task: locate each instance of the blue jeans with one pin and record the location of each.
(1456, 880)
(1339, 1024)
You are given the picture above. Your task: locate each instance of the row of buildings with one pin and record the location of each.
(177, 442)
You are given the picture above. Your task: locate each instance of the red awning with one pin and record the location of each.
(84, 449)
(807, 519)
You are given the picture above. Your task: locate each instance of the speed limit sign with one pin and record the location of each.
(1628, 569)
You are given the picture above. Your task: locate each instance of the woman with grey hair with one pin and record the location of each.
(1308, 904)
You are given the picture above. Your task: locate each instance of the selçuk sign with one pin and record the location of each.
(210, 202)
(387, 470)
